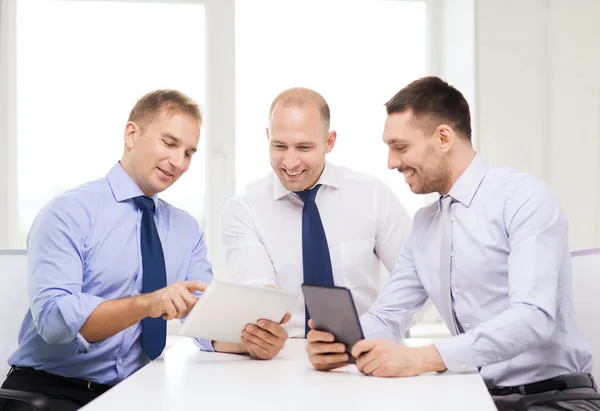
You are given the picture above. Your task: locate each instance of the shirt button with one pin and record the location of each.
(121, 362)
(467, 325)
(456, 291)
(498, 358)
(452, 254)
(463, 366)
(136, 293)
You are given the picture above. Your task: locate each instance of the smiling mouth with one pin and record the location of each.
(292, 174)
(408, 174)
(166, 173)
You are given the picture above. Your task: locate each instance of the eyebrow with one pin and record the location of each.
(303, 143)
(177, 140)
(395, 141)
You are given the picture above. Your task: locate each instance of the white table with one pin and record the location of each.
(184, 378)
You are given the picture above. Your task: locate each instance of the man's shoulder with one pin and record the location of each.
(507, 180)
(85, 196)
(258, 190)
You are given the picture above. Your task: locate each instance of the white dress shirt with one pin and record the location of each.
(363, 220)
(510, 280)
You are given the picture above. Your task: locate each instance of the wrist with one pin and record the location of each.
(143, 305)
(432, 360)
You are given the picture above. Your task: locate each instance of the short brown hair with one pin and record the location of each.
(435, 101)
(299, 96)
(172, 101)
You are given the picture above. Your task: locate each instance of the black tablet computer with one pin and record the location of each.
(332, 309)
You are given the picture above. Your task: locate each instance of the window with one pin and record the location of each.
(357, 55)
(81, 67)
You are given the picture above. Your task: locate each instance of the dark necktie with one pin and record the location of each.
(315, 251)
(154, 330)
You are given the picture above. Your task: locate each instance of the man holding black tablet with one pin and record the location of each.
(309, 220)
(492, 254)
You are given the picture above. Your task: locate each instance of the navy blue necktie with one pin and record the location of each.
(154, 330)
(315, 251)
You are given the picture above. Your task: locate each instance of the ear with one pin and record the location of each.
(132, 132)
(445, 136)
(267, 132)
(331, 141)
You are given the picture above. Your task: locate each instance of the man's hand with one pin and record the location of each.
(323, 353)
(265, 339)
(173, 301)
(383, 358)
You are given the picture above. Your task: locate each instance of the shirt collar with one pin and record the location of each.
(123, 186)
(328, 178)
(468, 183)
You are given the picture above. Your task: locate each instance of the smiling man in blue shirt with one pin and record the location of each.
(492, 254)
(109, 262)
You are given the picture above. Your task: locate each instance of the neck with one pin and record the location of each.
(126, 166)
(458, 162)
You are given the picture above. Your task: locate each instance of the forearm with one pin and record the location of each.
(511, 333)
(112, 317)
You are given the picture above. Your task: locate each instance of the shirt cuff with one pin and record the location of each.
(205, 345)
(76, 309)
(457, 352)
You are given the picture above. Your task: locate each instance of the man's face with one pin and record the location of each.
(161, 153)
(416, 155)
(298, 142)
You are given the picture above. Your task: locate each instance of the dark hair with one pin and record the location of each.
(436, 102)
(172, 101)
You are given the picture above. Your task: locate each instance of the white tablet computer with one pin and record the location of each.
(224, 310)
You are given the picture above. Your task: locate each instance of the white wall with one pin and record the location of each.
(537, 68)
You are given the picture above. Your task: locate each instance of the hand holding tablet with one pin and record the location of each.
(335, 326)
(225, 309)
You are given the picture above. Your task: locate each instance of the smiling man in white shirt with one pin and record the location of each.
(309, 220)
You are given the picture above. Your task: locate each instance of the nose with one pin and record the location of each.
(394, 161)
(177, 160)
(291, 160)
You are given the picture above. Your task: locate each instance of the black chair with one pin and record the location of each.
(14, 303)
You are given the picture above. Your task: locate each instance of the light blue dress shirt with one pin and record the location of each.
(510, 280)
(83, 249)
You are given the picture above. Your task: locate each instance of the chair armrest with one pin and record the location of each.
(37, 401)
(527, 401)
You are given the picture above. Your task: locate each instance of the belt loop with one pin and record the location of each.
(522, 390)
(12, 368)
(593, 382)
(89, 386)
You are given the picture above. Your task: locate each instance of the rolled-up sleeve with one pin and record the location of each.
(55, 267)
(537, 231)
